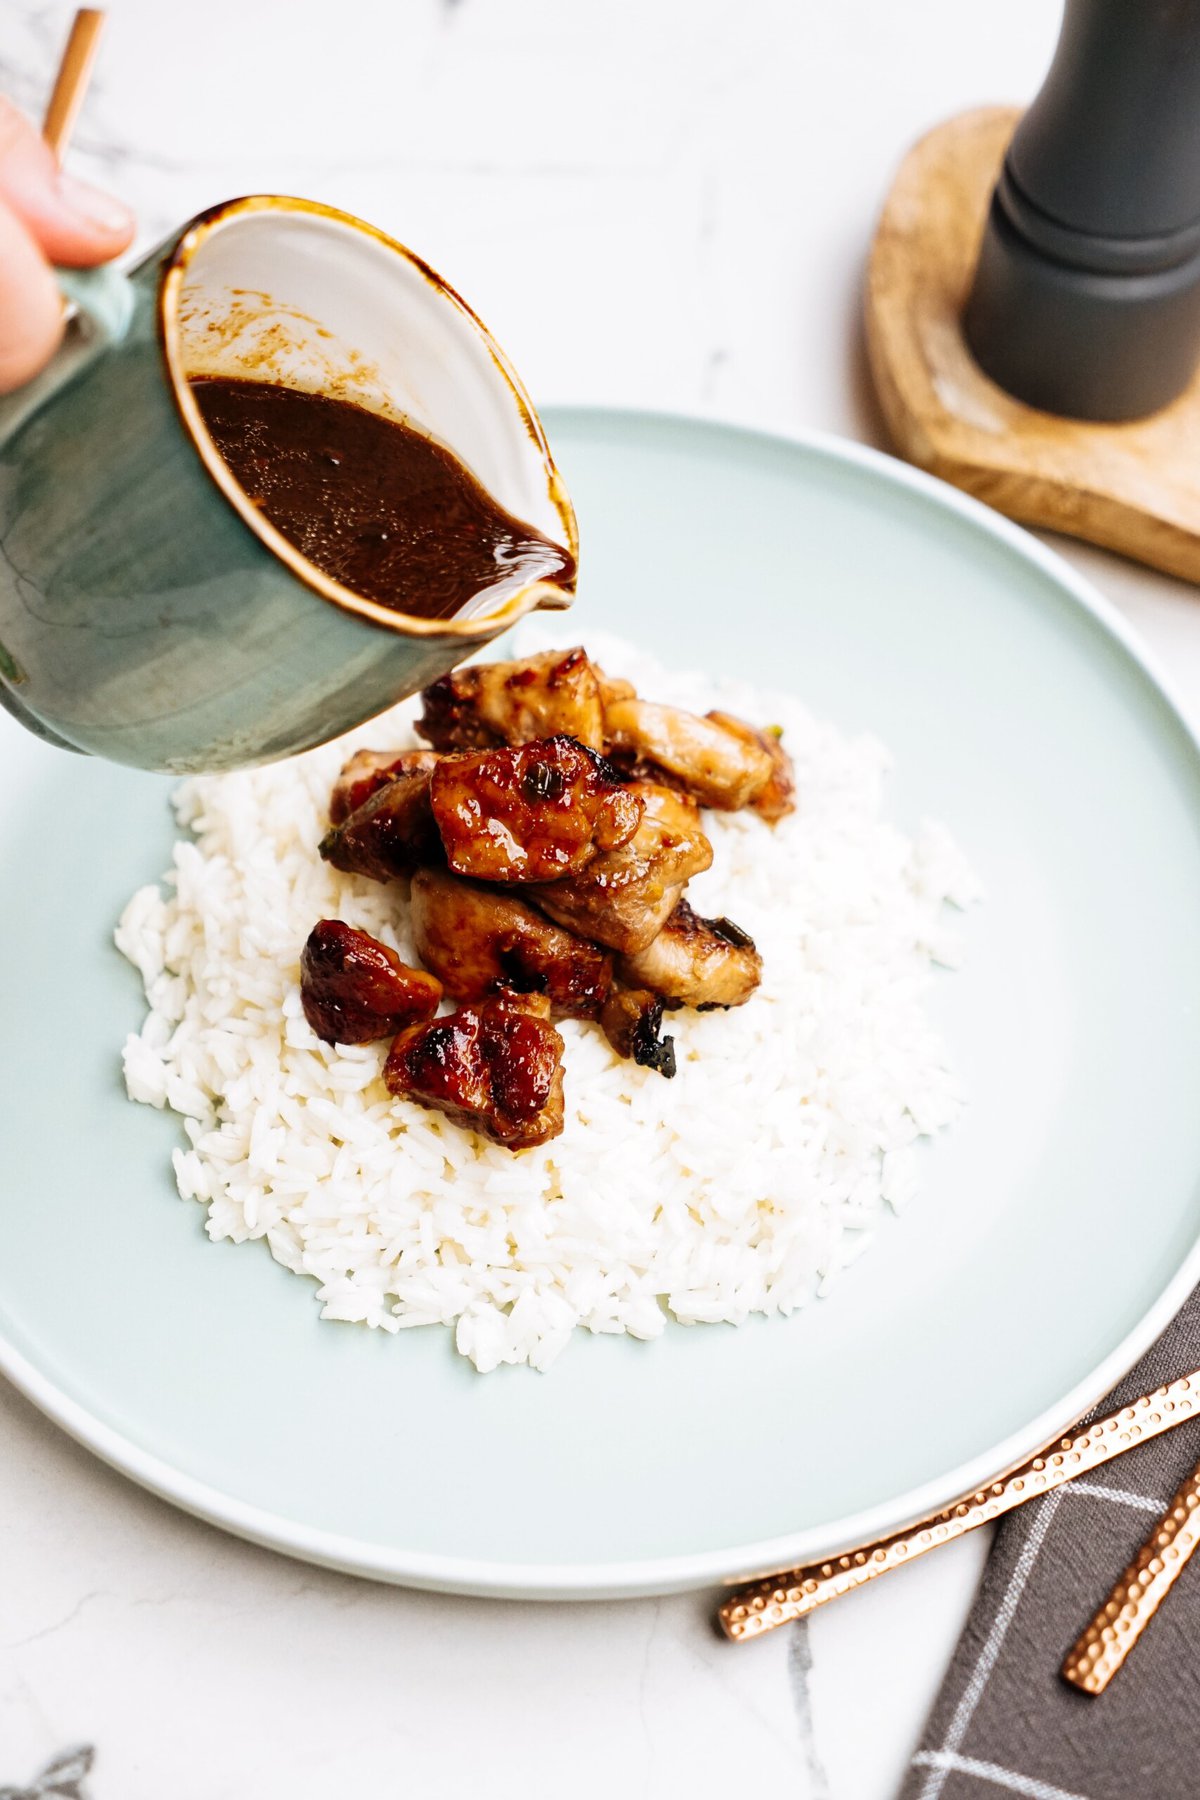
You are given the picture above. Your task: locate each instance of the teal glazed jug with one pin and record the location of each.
(149, 612)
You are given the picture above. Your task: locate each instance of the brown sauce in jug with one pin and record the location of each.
(383, 510)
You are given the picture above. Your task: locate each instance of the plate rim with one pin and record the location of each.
(489, 1578)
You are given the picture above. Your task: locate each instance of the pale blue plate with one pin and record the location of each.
(1058, 1227)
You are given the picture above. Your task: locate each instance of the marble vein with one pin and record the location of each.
(68, 1618)
(800, 1665)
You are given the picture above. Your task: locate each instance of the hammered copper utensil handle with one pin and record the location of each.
(775, 1600)
(1143, 1587)
(74, 73)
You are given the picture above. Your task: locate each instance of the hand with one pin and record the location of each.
(45, 217)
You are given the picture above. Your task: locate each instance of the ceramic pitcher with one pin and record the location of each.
(149, 612)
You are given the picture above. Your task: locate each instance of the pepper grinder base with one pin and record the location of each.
(1133, 488)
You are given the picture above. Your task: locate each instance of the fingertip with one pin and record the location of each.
(99, 226)
(73, 222)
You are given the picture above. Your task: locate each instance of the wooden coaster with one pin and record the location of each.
(1133, 488)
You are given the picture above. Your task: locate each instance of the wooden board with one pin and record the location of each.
(1133, 488)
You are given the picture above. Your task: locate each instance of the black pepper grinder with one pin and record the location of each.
(1086, 298)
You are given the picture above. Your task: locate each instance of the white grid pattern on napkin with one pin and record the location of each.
(973, 1692)
(946, 1760)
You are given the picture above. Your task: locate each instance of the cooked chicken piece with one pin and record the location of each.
(777, 796)
(613, 688)
(530, 814)
(701, 962)
(515, 702)
(624, 918)
(624, 897)
(495, 1068)
(718, 766)
(479, 940)
(390, 834)
(353, 988)
(369, 770)
(631, 1021)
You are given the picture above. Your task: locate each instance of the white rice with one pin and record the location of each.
(742, 1186)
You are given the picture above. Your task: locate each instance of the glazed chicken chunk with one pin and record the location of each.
(533, 813)
(353, 988)
(721, 768)
(777, 795)
(549, 695)
(480, 940)
(624, 897)
(612, 689)
(369, 770)
(632, 1023)
(392, 832)
(495, 1068)
(698, 962)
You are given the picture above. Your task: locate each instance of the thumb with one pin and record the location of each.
(75, 224)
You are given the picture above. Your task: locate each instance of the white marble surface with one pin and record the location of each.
(661, 202)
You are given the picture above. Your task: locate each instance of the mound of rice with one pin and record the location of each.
(744, 1185)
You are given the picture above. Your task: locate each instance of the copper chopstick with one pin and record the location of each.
(1120, 1622)
(70, 84)
(762, 1605)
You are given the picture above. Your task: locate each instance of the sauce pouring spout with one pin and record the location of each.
(546, 596)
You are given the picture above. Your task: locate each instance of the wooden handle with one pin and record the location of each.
(775, 1600)
(70, 84)
(1120, 1622)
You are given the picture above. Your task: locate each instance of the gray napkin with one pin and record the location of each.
(1005, 1721)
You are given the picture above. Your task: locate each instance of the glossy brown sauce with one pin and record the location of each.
(371, 502)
